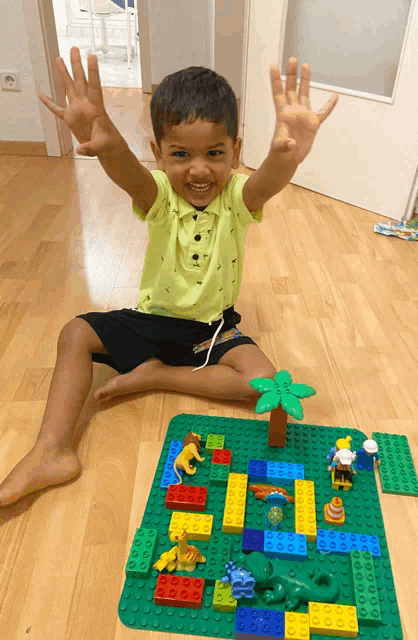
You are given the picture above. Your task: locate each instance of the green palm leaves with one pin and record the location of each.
(281, 391)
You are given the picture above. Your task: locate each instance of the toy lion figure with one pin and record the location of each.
(189, 451)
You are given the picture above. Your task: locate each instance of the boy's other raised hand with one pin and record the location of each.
(85, 115)
(296, 123)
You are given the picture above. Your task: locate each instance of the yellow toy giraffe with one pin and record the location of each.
(182, 557)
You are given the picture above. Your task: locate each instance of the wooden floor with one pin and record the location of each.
(322, 294)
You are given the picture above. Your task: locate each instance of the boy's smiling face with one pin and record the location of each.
(189, 157)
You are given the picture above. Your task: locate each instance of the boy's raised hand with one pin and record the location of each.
(85, 114)
(296, 123)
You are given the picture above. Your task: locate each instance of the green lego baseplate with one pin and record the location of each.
(397, 470)
(248, 439)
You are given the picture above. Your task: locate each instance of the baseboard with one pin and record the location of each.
(18, 148)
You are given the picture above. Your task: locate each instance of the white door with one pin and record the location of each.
(366, 152)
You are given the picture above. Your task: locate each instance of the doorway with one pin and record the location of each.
(108, 29)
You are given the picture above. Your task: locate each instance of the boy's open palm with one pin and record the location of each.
(85, 114)
(296, 123)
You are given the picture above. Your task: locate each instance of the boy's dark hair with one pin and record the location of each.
(191, 94)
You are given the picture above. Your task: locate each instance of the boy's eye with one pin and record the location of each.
(211, 151)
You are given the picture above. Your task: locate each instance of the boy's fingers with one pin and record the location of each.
(66, 79)
(95, 93)
(80, 82)
(58, 111)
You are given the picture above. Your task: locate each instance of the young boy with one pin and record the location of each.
(182, 336)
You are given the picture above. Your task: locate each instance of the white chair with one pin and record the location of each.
(104, 9)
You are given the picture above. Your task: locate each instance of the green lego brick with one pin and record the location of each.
(222, 597)
(219, 552)
(248, 439)
(219, 475)
(213, 442)
(365, 589)
(141, 554)
(397, 471)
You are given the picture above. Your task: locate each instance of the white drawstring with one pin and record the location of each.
(210, 348)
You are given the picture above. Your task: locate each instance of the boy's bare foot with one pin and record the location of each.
(142, 378)
(40, 468)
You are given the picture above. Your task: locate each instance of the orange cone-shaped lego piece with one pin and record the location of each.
(334, 511)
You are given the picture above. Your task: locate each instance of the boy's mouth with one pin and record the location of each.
(200, 189)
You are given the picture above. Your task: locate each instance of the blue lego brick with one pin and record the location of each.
(284, 472)
(262, 623)
(341, 543)
(169, 477)
(286, 546)
(252, 540)
(257, 471)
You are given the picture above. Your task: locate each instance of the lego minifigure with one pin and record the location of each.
(342, 443)
(367, 455)
(342, 462)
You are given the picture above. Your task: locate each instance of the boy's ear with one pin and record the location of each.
(237, 154)
(157, 154)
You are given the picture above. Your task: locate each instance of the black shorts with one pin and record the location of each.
(132, 337)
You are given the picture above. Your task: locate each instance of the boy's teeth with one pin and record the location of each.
(200, 187)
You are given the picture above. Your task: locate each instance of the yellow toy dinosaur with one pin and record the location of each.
(182, 557)
(183, 460)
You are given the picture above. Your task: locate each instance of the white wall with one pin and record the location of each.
(20, 112)
(179, 36)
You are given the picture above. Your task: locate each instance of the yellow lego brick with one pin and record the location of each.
(305, 514)
(333, 619)
(222, 597)
(197, 525)
(234, 514)
(236, 496)
(296, 626)
(237, 486)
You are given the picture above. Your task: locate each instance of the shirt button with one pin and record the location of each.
(195, 256)
(197, 237)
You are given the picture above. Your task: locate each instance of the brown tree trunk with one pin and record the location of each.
(277, 430)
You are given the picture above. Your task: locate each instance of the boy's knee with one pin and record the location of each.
(78, 333)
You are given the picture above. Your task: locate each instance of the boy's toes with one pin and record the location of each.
(106, 392)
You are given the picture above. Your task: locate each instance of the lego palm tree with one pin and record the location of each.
(280, 396)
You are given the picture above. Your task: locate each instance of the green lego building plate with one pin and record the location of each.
(248, 439)
(396, 470)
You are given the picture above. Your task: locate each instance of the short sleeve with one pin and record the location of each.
(160, 206)
(236, 186)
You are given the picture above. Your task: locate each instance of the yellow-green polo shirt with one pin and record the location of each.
(193, 261)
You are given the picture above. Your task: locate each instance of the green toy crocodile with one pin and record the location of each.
(303, 585)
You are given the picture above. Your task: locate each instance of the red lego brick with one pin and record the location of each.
(187, 498)
(221, 456)
(178, 591)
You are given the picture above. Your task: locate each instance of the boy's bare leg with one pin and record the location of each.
(217, 381)
(53, 460)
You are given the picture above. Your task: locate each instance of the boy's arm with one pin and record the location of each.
(273, 175)
(122, 166)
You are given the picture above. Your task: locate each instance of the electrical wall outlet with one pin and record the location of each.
(10, 81)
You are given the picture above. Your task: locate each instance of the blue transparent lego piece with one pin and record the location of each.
(252, 540)
(257, 470)
(263, 623)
